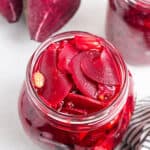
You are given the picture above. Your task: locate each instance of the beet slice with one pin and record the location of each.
(87, 42)
(38, 80)
(83, 103)
(56, 86)
(85, 85)
(80, 105)
(147, 23)
(100, 67)
(45, 17)
(65, 56)
(11, 9)
(74, 111)
(107, 94)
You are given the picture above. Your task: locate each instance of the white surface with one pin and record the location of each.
(15, 50)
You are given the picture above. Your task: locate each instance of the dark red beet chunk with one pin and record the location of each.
(44, 17)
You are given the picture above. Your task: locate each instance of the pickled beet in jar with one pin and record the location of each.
(77, 95)
(128, 28)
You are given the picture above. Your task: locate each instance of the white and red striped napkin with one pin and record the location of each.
(138, 134)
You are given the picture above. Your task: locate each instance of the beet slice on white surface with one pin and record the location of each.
(11, 9)
(45, 17)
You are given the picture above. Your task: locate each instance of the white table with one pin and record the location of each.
(15, 50)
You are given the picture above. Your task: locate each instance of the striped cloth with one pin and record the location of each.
(138, 134)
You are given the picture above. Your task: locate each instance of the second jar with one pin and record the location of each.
(128, 28)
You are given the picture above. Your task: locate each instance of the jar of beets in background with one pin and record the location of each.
(77, 95)
(128, 28)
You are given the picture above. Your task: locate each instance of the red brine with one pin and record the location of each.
(78, 94)
(128, 28)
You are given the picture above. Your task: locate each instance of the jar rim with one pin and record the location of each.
(102, 116)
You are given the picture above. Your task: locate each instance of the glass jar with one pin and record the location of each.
(56, 131)
(128, 28)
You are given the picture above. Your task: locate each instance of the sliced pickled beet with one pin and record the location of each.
(106, 144)
(74, 111)
(79, 102)
(87, 42)
(67, 52)
(86, 86)
(100, 67)
(56, 86)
